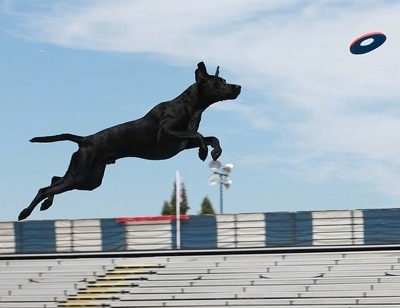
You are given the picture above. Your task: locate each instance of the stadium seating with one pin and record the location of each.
(264, 279)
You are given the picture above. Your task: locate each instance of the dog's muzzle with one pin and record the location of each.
(236, 91)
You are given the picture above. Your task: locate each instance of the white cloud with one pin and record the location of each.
(337, 114)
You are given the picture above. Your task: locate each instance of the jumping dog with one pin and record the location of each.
(167, 129)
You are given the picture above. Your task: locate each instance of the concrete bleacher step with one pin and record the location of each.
(114, 283)
(30, 305)
(103, 290)
(109, 286)
(84, 304)
(218, 305)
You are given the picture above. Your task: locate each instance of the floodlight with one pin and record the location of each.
(227, 168)
(214, 180)
(214, 165)
(220, 176)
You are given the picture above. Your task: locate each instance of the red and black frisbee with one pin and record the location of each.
(367, 42)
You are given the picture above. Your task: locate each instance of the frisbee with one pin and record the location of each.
(367, 42)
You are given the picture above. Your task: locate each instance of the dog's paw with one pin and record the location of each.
(216, 153)
(46, 204)
(24, 214)
(203, 152)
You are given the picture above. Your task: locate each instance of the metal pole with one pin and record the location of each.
(178, 209)
(221, 209)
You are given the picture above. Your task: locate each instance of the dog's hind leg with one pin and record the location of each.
(85, 172)
(44, 193)
(49, 201)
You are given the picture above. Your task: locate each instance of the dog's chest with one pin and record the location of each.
(194, 121)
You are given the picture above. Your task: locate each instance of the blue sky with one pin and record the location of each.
(315, 127)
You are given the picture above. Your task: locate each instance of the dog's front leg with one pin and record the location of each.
(203, 150)
(214, 143)
(211, 141)
(192, 140)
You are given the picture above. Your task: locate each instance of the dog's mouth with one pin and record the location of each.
(236, 91)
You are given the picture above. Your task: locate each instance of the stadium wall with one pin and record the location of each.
(281, 229)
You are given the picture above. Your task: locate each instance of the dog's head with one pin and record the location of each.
(213, 88)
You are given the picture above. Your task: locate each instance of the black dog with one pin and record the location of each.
(163, 132)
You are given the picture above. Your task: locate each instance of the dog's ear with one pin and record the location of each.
(201, 73)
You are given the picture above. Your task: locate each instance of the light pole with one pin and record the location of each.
(220, 176)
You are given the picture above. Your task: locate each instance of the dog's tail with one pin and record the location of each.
(62, 137)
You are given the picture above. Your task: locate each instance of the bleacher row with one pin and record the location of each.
(343, 279)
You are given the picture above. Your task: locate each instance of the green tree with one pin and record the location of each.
(169, 208)
(206, 207)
